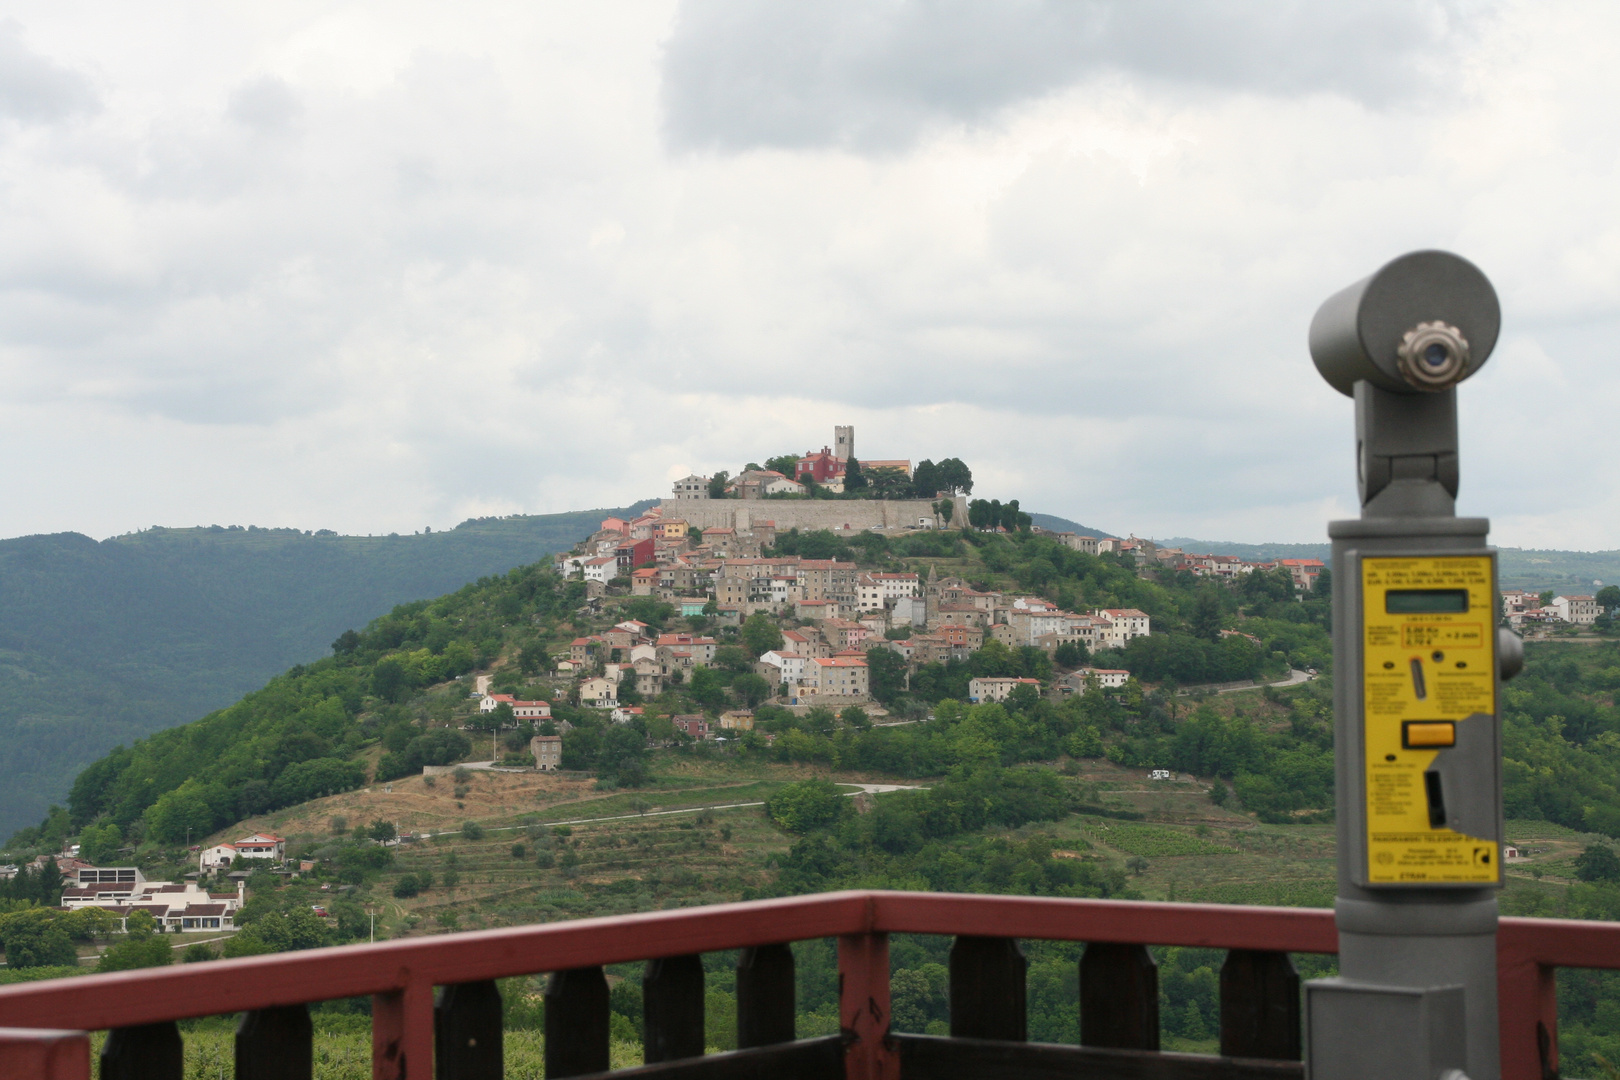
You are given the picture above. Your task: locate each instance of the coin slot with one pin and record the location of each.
(1437, 799)
(1417, 678)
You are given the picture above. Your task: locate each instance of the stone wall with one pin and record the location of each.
(807, 514)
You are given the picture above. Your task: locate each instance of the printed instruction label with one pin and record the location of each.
(1429, 653)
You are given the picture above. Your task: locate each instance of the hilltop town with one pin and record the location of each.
(715, 550)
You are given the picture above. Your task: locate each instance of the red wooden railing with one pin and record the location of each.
(43, 1023)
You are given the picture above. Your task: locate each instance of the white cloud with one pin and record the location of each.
(381, 266)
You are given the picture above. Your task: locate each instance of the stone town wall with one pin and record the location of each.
(807, 514)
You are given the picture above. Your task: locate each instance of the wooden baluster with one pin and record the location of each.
(275, 1044)
(987, 989)
(1259, 1005)
(147, 1052)
(576, 1022)
(44, 1054)
(1119, 997)
(672, 1008)
(467, 1041)
(766, 998)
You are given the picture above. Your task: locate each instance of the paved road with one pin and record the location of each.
(1295, 677)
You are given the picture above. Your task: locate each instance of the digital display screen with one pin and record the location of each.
(1426, 601)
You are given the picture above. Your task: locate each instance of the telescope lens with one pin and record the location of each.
(1433, 356)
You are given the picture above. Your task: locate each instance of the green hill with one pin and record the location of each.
(103, 643)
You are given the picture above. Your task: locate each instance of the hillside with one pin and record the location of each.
(103, 643)
(1045, 795)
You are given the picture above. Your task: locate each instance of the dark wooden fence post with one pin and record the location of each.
(1259, 1005)
(987, 989)
(576, 1022)
(275, 1044)
(766, 998)
(1119, 997)
(467, 1032)
(672, 1008)
(147, 1052)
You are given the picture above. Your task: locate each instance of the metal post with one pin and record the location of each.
(1417, 662)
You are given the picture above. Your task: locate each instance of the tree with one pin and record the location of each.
(1597, 863)
(622, 757)
(381, 830)
(786, 464)
(955, 477)
(806, 806)
(388, 679)
(760, 634)
(886, 673)
(1205, 621)
(295, 927)
(946, 509)
(733, 658)
(855, 717)
(34, 937)
(139, 950)
(717, 484)
(979, 514)
(100, 843)
(925, 479)
(1608, 598)
(751, 689)
(708, 689)
(854, 480)
(1070, 654)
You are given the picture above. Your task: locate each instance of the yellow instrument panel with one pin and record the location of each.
(1429, 669)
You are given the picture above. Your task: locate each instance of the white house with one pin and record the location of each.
(789, 665)
(1102, 678)
(522, 710)
(217, 857)
(997, 689)
(1580, 610)
(262, 846)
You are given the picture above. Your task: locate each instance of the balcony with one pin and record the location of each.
(456, 1034)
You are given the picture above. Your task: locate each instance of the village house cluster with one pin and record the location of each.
(1525, 610)
(842, 611)
(1149, 556)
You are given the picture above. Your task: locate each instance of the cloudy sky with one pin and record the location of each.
(372, 267)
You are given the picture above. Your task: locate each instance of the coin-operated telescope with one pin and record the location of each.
(1418, 659)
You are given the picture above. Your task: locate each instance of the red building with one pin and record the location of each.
(633, 553)
(821, 466)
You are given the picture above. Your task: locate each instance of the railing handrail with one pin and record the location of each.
(400, 973)
(225, 986)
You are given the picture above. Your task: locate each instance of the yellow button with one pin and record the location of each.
(1425, 733)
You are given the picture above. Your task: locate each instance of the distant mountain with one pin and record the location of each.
(1058, 524)
(102, 643)
(1520, 568)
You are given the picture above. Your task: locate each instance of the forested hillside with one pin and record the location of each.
(103, 643)
(1033, 796)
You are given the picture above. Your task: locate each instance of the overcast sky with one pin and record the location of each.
(372, 267)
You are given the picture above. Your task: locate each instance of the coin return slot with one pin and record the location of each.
(1427, 734)
(1417, 679)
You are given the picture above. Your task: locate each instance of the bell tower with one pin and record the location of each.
(844, 442)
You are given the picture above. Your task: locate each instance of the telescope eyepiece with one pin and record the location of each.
(1421, 324)
(1433, 356)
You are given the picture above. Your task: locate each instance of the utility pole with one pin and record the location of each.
(372, 913)
(1418, 659)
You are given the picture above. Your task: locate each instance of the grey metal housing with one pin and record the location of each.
(1357, 332)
